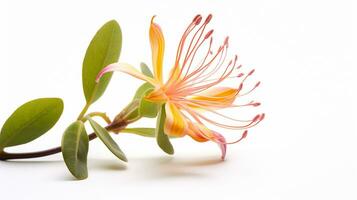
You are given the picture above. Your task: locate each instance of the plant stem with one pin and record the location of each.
(7, 156)
(98, 114)
(116, 126)
(83, 112)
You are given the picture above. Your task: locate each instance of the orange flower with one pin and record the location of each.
(192, 87)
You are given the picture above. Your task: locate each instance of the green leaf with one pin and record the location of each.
(104, 49)
(75, 143)
(161, 138)
(140, 92)
(147, 108)
(146, 132)
(30, 121)
(145, 70)
(103, 135)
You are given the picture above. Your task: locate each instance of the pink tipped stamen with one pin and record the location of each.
(233, 127)
(208, 34)
(254, 104)
(230, 118)
(244, 135)
(195, 22)
(193, 114)
(193, 56)
(189, 51)
(240, 75)
(249, 74)
(194, 41)
(197, 19)
(206, 65)
(251, 90)
(208, 19)
(262, 117)
(203, 75)
(198, 74)
(198, 115)
(225, 74)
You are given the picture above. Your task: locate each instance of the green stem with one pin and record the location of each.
(7, 156)
(116, 126)
(83, 112)
(97, 114)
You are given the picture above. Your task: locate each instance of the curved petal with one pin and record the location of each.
(128, 69)
(157, 42)
(218, 97)
(221, 141)
(194, 132)
(201, 133)
(175, 123)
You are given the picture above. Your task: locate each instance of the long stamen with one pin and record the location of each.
(194, 52)
(203, 134)
(252, 103)
(249, 124)
(189, 51)
(201, 75)
(195, 22)
(244, 135)
(206, 65)
(251, 90)
(225, 74)
(201, 30)
(253, 122)
(222, 115)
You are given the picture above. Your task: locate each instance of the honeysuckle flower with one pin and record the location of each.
(194, 84)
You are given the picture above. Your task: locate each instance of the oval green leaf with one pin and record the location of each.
(146, 70)
(161, 138)
(104, 135)
(30, 121)
(74, 146)
(103, 50)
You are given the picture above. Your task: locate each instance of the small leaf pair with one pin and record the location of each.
(75, 144)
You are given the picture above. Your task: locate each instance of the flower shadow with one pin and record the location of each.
(167, 167)
(106, 164)
(145, 168)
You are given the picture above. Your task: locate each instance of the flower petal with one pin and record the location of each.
(157, 42)
(194, 132)
(175, 123)
(221, 141)
(201, 133)
(128, 69)
(218, 97)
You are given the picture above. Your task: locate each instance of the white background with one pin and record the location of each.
(304, 53)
